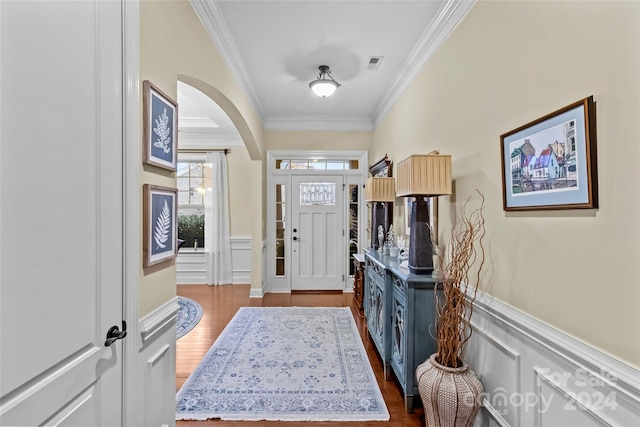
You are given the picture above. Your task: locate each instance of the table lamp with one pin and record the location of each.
(381, 192)
(422, 176)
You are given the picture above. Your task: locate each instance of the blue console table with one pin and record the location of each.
(401, 318)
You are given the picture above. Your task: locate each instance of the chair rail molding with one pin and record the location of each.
(157, 320)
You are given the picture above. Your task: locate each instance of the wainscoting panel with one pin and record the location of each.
(536, 375)
(241, 259)
(160, 366)
(157, 365)
(191, 266)
(556, 405)
(501, 373)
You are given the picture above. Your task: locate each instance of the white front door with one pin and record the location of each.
(317, 232)
(61, 213)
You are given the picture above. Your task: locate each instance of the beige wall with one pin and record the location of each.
(174, 45)
(242, 190)
(317, 140)
(507, 64)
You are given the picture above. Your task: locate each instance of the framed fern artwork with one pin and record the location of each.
(160, 130)
(160, 209)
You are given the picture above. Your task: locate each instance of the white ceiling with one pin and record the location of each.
(202, 123)
(274, 49)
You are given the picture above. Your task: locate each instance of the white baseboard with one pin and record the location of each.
(256, 293)
(536, 375)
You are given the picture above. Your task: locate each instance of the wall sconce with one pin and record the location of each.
(422, 176)
(381, 192)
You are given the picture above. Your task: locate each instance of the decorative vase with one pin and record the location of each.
(450, 396)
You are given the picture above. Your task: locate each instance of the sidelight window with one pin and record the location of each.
(280, 230)
(353, 226)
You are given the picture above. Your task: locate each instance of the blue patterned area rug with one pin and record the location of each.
(285, 364)
(189, 314)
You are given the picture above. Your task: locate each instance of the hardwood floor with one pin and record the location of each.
(220, 304)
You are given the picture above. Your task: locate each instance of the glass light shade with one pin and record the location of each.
(323, 87)
(424, 175)
(380, 189)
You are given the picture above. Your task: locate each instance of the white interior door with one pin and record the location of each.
(317, 232)
(61, 213)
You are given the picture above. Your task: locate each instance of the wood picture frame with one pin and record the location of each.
(382, 168)
(550, 163)
(160, 224)
(160, 128)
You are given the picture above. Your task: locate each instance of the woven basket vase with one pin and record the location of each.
(451, 396)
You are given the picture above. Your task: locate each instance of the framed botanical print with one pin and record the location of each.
(160, 208)
(160, 128)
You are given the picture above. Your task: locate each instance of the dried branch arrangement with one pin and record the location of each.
(454, 311)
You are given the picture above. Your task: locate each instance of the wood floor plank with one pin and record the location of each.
(220, 304)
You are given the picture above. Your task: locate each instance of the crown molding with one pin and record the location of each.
(447, 19)
(200, 140)
(196, 122)
(214, 23)
(449, 16)
(318, 123)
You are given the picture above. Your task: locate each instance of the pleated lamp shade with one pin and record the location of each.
(424, 175)
(380, 189)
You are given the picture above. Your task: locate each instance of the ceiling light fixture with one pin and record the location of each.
(324, 85)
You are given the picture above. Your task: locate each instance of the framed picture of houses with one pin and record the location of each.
(160, 128)
(160, 207)
(550, 163)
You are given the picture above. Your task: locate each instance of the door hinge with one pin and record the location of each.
(343, 231)
(343, 277)
(344, 186)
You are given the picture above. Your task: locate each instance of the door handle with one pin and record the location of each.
(114, 333)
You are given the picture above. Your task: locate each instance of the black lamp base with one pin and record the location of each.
(377, 218)
(420, 245)
(381, 214)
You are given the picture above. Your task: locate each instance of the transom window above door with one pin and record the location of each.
(316, 164)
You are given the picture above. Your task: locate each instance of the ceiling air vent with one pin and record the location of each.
(374, 62)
